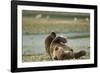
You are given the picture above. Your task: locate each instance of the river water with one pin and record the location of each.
(34, 44)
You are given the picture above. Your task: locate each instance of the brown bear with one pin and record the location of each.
(59, 51)
(50, 38)
(58, 42)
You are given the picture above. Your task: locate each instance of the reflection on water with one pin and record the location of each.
(34, 44)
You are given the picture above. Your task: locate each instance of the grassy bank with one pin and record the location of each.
(31, 25)
(46, 22)
(42, 58)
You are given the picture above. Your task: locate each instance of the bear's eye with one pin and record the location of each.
(56, 48)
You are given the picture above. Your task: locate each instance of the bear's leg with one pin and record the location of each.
(48, 53)
(80, 54)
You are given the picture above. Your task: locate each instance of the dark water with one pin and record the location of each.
(34, 44)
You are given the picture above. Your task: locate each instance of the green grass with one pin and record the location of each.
(42, 58)
(32, 25)
(35, 58)
(57, 21)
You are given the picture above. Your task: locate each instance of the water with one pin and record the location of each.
(34, 44)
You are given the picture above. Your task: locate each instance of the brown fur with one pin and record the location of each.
(59, 51)
(72, 55)
(60, 54)
(80, 54)
(48, 41)
(56, 43)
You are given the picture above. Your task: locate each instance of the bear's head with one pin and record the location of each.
(57, 52)
(60, 54)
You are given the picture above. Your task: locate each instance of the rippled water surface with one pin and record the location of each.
(34, 44)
